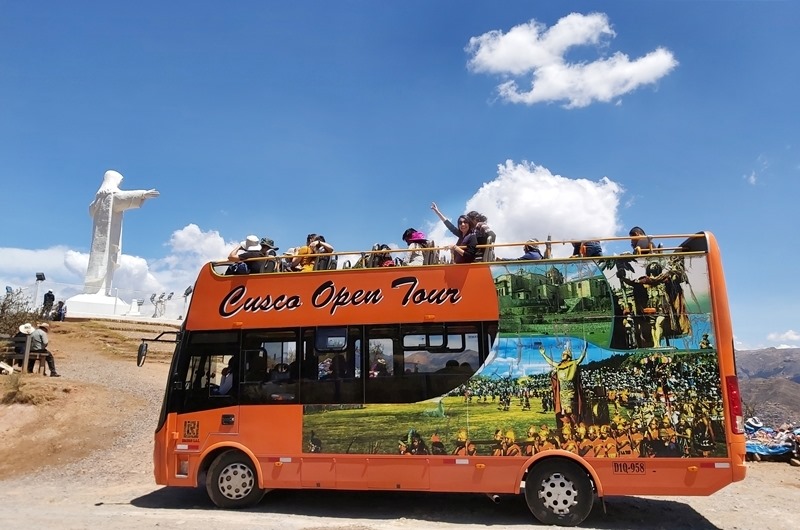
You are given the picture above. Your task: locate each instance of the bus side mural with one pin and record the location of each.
(607, 358)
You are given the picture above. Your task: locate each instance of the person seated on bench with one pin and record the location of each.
(39, 341)
(19, 342)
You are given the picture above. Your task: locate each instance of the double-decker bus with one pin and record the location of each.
(563, 380)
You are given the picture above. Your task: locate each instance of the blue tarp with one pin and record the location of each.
(767, 449)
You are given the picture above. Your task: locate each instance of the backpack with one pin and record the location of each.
(240, 267)
(431, 257)
(380, 259)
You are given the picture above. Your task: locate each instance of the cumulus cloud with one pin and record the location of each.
(789, 335)
(523, 200)
(189, 248)
(531, 55)
(526, 200)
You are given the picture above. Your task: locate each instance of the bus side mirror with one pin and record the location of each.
(142, 354)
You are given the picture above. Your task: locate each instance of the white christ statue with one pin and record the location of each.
(106, 210)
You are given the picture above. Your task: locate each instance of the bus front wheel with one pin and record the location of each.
(232, 481)
(559, 492)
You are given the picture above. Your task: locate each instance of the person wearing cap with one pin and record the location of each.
(531, 250)
(268, 249)
(39, 342)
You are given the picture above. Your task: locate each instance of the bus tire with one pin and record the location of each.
(232, 481)
(559, 492)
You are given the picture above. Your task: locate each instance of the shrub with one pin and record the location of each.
(15, 310)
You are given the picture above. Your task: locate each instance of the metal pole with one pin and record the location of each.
(36, 295)
(116, 296)
(27, 353)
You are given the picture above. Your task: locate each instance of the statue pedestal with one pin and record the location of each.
(89, 305)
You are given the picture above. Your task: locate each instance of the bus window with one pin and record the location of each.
(271, 370)
(381, 385)
(335, 374)
(198, 378)
(331, 339)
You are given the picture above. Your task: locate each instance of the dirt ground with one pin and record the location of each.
(77, 453)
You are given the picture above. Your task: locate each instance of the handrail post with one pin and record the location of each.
(26, 355)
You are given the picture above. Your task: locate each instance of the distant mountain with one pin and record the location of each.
(770, 362)
(769, 380)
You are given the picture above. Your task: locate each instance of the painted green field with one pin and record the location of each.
(378, 428)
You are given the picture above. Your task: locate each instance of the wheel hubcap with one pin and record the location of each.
(558, 493)
(236, 481)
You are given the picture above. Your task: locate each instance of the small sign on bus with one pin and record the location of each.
(629, 468)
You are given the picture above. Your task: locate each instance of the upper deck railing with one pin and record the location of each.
(617, 247)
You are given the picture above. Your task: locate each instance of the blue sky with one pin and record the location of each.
(348, 118)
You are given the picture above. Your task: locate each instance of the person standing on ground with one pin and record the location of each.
(49, 300)
(39, 342)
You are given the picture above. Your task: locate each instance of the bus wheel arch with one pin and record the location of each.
(559, 491)
(231, 480)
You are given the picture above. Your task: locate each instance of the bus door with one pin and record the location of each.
(205, 395)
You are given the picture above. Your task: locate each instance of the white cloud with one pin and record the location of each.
(526, 200)
(189, 249)
(762, 163)
(789, 335)
(537, 56)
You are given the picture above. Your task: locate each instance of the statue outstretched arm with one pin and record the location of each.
(136, 194)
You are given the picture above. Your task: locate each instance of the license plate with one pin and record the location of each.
(629, 468)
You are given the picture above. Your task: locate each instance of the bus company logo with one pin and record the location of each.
(191, 430)
(332, 298)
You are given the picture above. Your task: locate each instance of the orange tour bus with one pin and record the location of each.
(563, 380)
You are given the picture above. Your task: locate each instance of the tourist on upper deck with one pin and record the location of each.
(465, 249)
(641, 243)
(315, 244)
(483, 234)
(450, 226)
(480, 227)
(586, 249)
(532, 251)
(249, 249)
(417, 242)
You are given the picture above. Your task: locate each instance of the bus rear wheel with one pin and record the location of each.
(232, 481)
(559, 492)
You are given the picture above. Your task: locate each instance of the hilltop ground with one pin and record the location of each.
(77, 453)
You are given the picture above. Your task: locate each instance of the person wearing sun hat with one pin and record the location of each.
(251, 248)
(21, 339)
(39, 342)
(417, 243)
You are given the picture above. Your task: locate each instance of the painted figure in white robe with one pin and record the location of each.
(106, 210)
